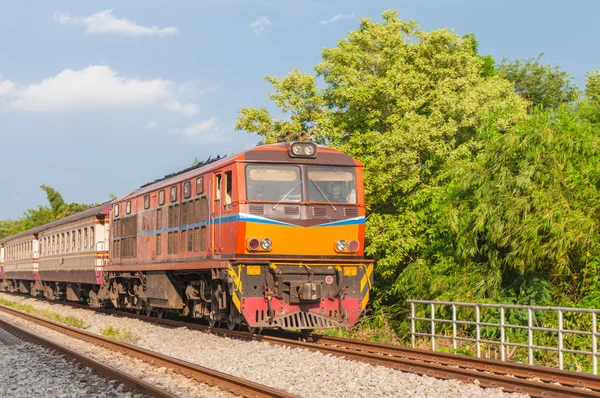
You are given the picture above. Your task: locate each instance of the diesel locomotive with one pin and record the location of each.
(270, 237)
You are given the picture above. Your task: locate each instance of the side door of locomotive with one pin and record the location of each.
(216, 213)
(221, 209)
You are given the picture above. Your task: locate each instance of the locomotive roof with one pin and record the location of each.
(102, 209)
(270, 153)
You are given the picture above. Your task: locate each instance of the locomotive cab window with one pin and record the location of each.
(146, 202)
(274, 183)
(187, 189)
(228, 190)
(199, 185)
(331, 184)
(173, 193)
(128, 207)
(161, 197)
(116, 211)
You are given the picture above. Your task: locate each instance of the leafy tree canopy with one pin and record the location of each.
(542, 85)
(42, 214)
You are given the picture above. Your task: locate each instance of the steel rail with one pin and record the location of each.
(536, 381)
(108, 371)
(225, 382)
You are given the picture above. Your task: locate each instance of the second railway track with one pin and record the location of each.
(225, 382)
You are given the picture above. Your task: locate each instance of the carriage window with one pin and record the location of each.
(161, 197)
(199, 185)
(333, 184)
(187, 189)
(173, 193)
(274, 183)
(116, 210)
(85, 238)
(146, 202)
(92, 238)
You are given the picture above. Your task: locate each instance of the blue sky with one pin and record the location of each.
(101, 97)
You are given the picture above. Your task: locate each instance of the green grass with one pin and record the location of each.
(69, 320)
(123, 335)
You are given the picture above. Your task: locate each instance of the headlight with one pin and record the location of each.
(309, 150)
(303, 149)
(341, 245)
(266, 244)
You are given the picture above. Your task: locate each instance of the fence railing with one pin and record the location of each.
(428, 322)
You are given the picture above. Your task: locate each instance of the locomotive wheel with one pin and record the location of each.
(148, 311)
(231, 325)
(212, 322)
(253, 330)
(161, 313)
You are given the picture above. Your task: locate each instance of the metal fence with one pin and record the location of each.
(529, 327)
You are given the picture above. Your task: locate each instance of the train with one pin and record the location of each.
(271, 237)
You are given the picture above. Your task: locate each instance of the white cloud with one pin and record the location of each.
(183, 109)
(104, 22)
(151, 125)
(207, 131)
(6, 87)
(259, 27)
(98, 87)
(337, 18)
(93, 87)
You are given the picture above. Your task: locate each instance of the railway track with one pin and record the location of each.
(536, 381)
(225, 382)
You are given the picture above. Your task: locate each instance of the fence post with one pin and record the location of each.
(502, 337)
(594, 344)
(454, 327)
(561, 365)
(530, 335)
(432, 327)
(478, 328)
(412, 324)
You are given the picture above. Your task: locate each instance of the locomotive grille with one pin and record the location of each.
(291, 210)
(257, 210)
(319, 211)
(304, 320)
(351, 212)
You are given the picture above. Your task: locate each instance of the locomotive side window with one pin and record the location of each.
(116, 210)
(331, 184)
(161, 197)
(174, 193)
(218, 189)
(146, 201)
(187, 189)
(274, 183)
(199, 185)
(228, 190)
(128, 207)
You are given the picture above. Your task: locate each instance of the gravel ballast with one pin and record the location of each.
(31, 370)
(302, 372)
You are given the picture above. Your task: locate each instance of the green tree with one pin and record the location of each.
(592, 85)
(403, 101)
(545, 86)
(42, 214)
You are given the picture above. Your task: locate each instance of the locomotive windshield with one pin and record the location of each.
(274, 183)
(333, 184)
